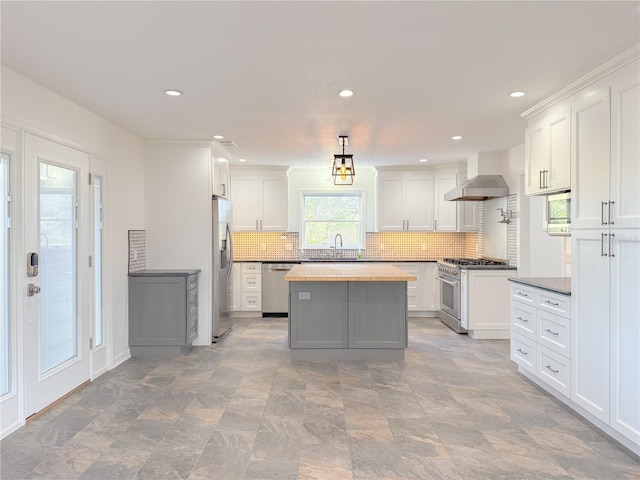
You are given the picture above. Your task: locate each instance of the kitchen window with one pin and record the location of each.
(324, 215)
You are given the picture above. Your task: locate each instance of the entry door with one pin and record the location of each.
(57, 297)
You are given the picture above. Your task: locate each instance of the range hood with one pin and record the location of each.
(481, 187)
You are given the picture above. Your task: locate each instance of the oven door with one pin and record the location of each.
(450, 296)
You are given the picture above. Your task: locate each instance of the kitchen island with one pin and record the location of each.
(347, 311)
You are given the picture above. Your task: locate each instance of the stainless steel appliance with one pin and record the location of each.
(222, 262)
(559, 214)
(275, 289)
(449, 276)
(481, 187)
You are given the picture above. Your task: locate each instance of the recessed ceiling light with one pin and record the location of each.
(423, 160)
(218, 137)
(456, 137)
(242, 159)
(516, 94)
(173, 93)
(222, 160)
(346, 93)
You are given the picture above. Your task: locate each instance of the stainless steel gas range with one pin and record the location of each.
(451, 280)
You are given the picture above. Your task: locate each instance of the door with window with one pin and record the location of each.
(57, 285)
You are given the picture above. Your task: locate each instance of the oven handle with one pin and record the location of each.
(444, 280)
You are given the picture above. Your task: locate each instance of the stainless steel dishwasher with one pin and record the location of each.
(275, 289)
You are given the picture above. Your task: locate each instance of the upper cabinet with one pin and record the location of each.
(547, 145)
(259, 200)
(467, 211)
(606, 157)
(405, 201)
(220, 177)
(445, 212)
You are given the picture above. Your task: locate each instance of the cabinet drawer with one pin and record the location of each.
(554, 332)
(523, 294)
(523, 319)
(192, 282)
(554, 369)
(251, 302)
(252, 283)
(558, 304)
(192, 328)
(251, 268)
(523, 351)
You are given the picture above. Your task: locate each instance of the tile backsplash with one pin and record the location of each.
(137, 250)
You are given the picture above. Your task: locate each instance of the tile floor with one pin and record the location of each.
(454, 409)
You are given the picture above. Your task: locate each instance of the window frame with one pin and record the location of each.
(360, 194)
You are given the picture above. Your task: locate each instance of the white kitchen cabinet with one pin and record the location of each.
(485, 307)
(259, 201)
(605, 161)
(606, 331)
(467, 211)
(445, 212)
(548, 153)
(405, 201)
(432, 294)
(247, 288)
(220, 177)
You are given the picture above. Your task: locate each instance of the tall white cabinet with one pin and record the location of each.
(605, 377)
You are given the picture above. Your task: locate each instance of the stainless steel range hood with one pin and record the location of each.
(481, 187)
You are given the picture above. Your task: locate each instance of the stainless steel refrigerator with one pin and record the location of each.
(222, 263)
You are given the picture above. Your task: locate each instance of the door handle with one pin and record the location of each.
(32, 290)
(540, 179)
(610, 217)
(257, 225)
(602, 212)
(546, 179)
(611, 254)
(407, 224)
(435, 224)
(602, 235)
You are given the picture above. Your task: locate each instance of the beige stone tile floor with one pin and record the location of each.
(455, 408)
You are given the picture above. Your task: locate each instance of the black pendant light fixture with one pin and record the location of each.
(343, 170)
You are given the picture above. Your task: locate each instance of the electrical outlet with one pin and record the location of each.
(263, 247)
(423, 247)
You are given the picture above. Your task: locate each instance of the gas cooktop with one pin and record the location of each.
(473, 261)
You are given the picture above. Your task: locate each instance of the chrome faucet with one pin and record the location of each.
(335, 244)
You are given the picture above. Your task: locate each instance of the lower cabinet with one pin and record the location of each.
(246, 288)
(422, 294)
(348, 315)
(163, 312)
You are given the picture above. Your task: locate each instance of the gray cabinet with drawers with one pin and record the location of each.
(163, 311)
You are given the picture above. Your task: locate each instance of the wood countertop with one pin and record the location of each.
(348, 272)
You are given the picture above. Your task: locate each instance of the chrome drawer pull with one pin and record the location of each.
(548, 367)
(602, 212)
(524, 353)
(552, 333)
(522, 294)
(610, 221)
(551, 303)
(522, 319)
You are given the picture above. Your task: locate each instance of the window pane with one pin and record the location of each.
(97, 249)
(323, 234)
(339, 207)
(327, 215)
(5, 373)
(58, 330)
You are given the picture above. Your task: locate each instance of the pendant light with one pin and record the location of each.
(343, 170)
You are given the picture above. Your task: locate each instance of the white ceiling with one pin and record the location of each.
(266, 74)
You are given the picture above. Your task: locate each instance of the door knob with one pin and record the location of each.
(32, 290)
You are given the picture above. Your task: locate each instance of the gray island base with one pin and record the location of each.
(340, 312)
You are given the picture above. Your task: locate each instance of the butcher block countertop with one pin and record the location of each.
(348, 272)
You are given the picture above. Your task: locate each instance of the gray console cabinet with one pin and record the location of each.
(163, 311)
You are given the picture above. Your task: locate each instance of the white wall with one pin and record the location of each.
(178, 217)
(30, 105)
(319, 179)
(495, 234)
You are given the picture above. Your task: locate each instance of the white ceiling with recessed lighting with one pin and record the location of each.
(266, 75)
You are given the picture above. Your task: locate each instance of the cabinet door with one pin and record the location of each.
(246, 194)
(625, 333)
(590, 161)
(391, 206)
(419, 204)
(274, 207)
(535, 157)
(432, 287)
(590, 323)
(446, 218)
(415, 289)
(377, 315)
(558, 177)
(625, 150)
(318, 314)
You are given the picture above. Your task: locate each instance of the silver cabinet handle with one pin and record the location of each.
(546, 179)
(522, 319)
(522, 294)
(611, 254)
(257, 225)
(224, 189)
(602, 212)
(522, 352)
(540, 179)
(548, 367)
(610, 216)
(551, 303)
(602, 235)
(260, 224)
(435, 224)
(551, 332)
